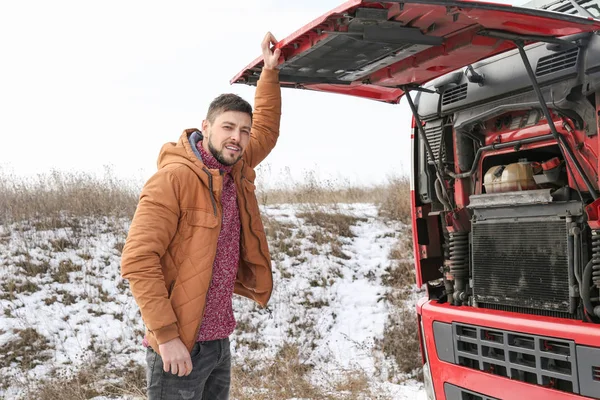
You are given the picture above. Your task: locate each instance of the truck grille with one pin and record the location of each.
(455, 94)
(557, 62)
(433, 132)
(533, 359)
(521, 264)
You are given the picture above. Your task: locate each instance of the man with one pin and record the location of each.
(197, 238)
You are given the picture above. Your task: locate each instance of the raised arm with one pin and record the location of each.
(267, 106)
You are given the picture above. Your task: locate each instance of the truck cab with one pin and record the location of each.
(504, 186)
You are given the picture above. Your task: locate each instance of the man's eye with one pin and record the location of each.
(246, 132)
(227, 127)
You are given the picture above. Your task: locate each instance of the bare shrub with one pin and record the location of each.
(287, 375)
(92, 379)
(283, 377)
(28, 350)
(11, 287)
(401, 340)
(395, 203)
(48, 197)
(63, 244)
(335, 223)
(32, 268)
(353, 382)
(314, 191)
(311, 190)
(61, 275)
(399, 275)
(281, 238)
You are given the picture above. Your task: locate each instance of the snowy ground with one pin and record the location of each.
(65, 285)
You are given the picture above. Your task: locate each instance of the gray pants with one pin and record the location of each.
(209, 380)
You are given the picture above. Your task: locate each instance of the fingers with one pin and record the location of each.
(176, 357)
(270, 55)
(187, 365)
(170, 367)
(182, 369)
(268, 40)
(179, 368)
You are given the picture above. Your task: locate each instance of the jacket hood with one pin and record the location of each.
(174, 154)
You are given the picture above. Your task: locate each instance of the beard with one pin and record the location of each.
(219, 156)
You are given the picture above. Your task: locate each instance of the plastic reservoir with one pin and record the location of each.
(509, 178)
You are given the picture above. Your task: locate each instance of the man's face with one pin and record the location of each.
(227, 137)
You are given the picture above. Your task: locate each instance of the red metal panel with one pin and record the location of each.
(458, 22)
(488, 384)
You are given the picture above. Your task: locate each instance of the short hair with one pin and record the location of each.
(227, 102)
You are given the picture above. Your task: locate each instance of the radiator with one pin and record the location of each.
(521, 263)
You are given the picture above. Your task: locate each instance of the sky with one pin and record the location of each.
(88, 85)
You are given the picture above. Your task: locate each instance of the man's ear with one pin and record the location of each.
(205, 125)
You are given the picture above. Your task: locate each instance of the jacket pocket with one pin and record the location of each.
(198, 233)
(201, 218)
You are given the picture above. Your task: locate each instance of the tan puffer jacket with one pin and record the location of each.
(172, 242)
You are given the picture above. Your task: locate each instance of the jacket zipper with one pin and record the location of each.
(210, 187)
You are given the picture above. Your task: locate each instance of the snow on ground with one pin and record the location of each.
(65, 284)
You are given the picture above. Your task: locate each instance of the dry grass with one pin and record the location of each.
(392, 198)
(48, 197)
(401, 341)
(32, 268)
(353, 382)
(334, 223)
(288, 376)
(61, 275)
(11, 287)
(314, 191)
(28, 350)
(399, 275)
(94, 378)
(395, 203)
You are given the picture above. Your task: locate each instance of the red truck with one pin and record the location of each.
(504, 186)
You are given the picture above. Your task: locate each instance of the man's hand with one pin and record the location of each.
(271, 57)
(176, 357)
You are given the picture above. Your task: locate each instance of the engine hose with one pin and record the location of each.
(440, 195)
(596, 258)
(459, 264)
(585, 290)
(447, 277)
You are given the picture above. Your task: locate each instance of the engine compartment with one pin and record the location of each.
(513, 208)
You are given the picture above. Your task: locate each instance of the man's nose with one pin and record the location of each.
(235, 135)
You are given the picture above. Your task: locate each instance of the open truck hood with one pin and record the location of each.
(376, 49)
